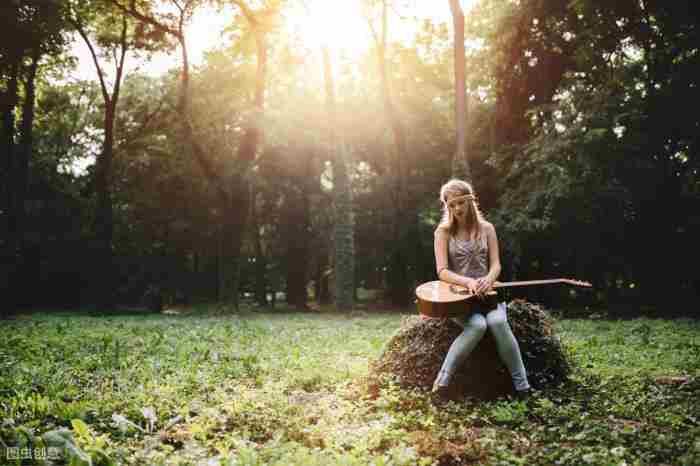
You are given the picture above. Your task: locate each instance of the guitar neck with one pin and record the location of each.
(527, 283)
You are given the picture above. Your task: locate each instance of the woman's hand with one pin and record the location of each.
(484, 284)
(450, 217)
(470, 284)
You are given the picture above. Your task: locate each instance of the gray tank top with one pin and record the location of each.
(467, 257)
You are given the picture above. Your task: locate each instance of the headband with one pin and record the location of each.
(469, 197)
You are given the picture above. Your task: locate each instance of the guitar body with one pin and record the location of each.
(441, 299)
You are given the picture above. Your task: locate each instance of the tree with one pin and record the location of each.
(596, 93)
(35, 29)
(460, 162)
(94, 23)
(343, 228)
(233, 191)
(401, 280)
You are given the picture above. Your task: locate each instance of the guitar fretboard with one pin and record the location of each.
(527, 283)
(567, 281)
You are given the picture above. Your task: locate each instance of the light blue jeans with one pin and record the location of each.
(475, 326)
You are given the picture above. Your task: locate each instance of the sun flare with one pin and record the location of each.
(341, 26)
(205, 29)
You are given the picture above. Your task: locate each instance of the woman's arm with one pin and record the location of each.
(443, 273)
(486, 282)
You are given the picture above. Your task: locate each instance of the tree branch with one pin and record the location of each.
(120, 66)
(83, 34)
(179, 7)
(146, 19)
(247, 12)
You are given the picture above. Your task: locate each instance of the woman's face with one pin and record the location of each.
(458, 203)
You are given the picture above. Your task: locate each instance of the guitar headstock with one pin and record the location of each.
(571, 281)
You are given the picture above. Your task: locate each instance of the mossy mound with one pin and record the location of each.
(414, 355)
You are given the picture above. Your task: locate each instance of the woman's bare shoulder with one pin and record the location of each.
(442, 232)
(487, 227)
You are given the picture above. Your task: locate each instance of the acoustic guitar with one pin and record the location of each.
(442, 299)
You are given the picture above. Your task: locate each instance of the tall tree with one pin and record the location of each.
(343, 228)
(10, 98)
(260, 254)
(404, 216)
(96, 26)
(460, 163)
(33, 29)
(598, 95)
(260, 23)
(233, 190)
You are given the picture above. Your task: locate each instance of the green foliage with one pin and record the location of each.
(268, 388)
(596, 98)
(580, 132)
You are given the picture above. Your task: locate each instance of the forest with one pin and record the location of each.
(255, 174)
(215, 217)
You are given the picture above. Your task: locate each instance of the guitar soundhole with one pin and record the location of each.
(456, 291)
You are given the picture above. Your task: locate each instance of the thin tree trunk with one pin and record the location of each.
(26, 141)
(260, 259)
(400, 283)
(321, 279)
(234, 218)
(298, 220)
(343, 234)
(18, 181)
(667, 186)
(234, 200)
(10, 100)
(8, 242)
(104, 216)
(247, 150)
(299, 225)
(228, 234)
(460, 162)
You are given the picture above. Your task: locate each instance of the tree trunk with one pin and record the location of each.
(25, 144)
(260, 259)
(235, 200)
(400, 283)
(234, 221)
(322, 290)
(233, 203)
(8, 241)
(344, 235)
(247, 151)
(104, 216)
(460, 162)
(298, 220)
(18, 183)
(9, 101)
(344, 230)
(103, 272)
(666, 185)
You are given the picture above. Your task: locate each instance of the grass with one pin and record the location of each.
(283, 388)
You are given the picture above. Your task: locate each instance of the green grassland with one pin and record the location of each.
(288, 388)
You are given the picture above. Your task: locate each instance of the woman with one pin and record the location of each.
(466, 254)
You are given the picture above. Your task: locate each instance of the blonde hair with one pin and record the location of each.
(456, 187)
